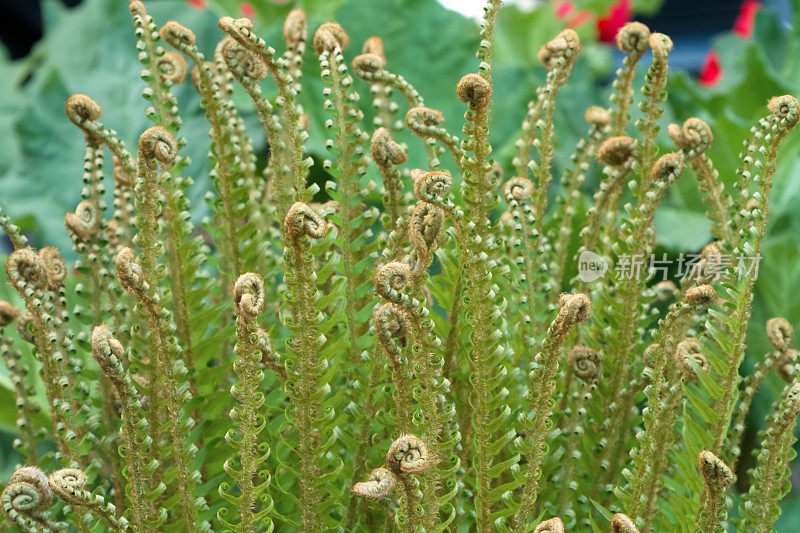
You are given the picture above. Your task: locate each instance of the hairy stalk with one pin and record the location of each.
(18, 373)
(574, 309)
(557, 57)
(307, 394)
(637, 231)
(287, 105)
(584, 363)
(632, 39)
(784, 114)
(572, 181)
(618, 154)
(140, 276)
(142, 488)
(388, 156)
(694, 138)
(518, 192)
(427, 124)
(652, 106)
(780, 334)
(28, 275)
(759, 509)
(659, 418)
(486, 369)
(251, 501)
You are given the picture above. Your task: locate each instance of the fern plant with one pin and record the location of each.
(316, 360)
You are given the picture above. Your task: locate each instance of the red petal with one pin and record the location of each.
(711, 71)
(580, 18)
(199, 4)
(564, 9)
(615, 18)
(743, 25)
(247, 10)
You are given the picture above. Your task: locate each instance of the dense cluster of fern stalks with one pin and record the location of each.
(424, 365)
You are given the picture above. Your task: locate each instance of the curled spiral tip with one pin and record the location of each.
(584, 362)
(575, 308)
(423, 116)
(689, 353)
(248, 295)
(391, 279)
(713, 470)
(622, 523)
(368, 63)
(385, 150)
(380, 484)
(408, 455)
(301, 220)
(25, 327)
(563, 46)
(432, 187)
(121, 176)
(667, 167)
(172, 67)
(374, 45)
(554, 525)
(780, 333)
(233, 26)
(785, 107)
(392, 326)
(54, 265)
(107, 351)
(665, 290)
(28, 491)
(616, 151)
(136, 7)
(518, 190)
(67, 482)
(84, 223)
(785, 365)
(475, 90)
(707, 268)
(700, 297)
(695, 135)
(81, 108)
(157, 143)
(329, 36)
(129, 272)
(661, 45)
(295, 27)
(633, 37)
(242, 62)
(177, 35)
(597, 116)
(8, 313)
(24, 266)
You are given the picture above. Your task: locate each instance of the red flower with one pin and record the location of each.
(567, 10)
(198, 4)
(247, 10)
(615, 18)
(564, 9)
(711, 71)
(743, 26)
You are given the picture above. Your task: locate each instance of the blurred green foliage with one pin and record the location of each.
(91, 49)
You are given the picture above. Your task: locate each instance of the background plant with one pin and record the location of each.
(416, 160)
